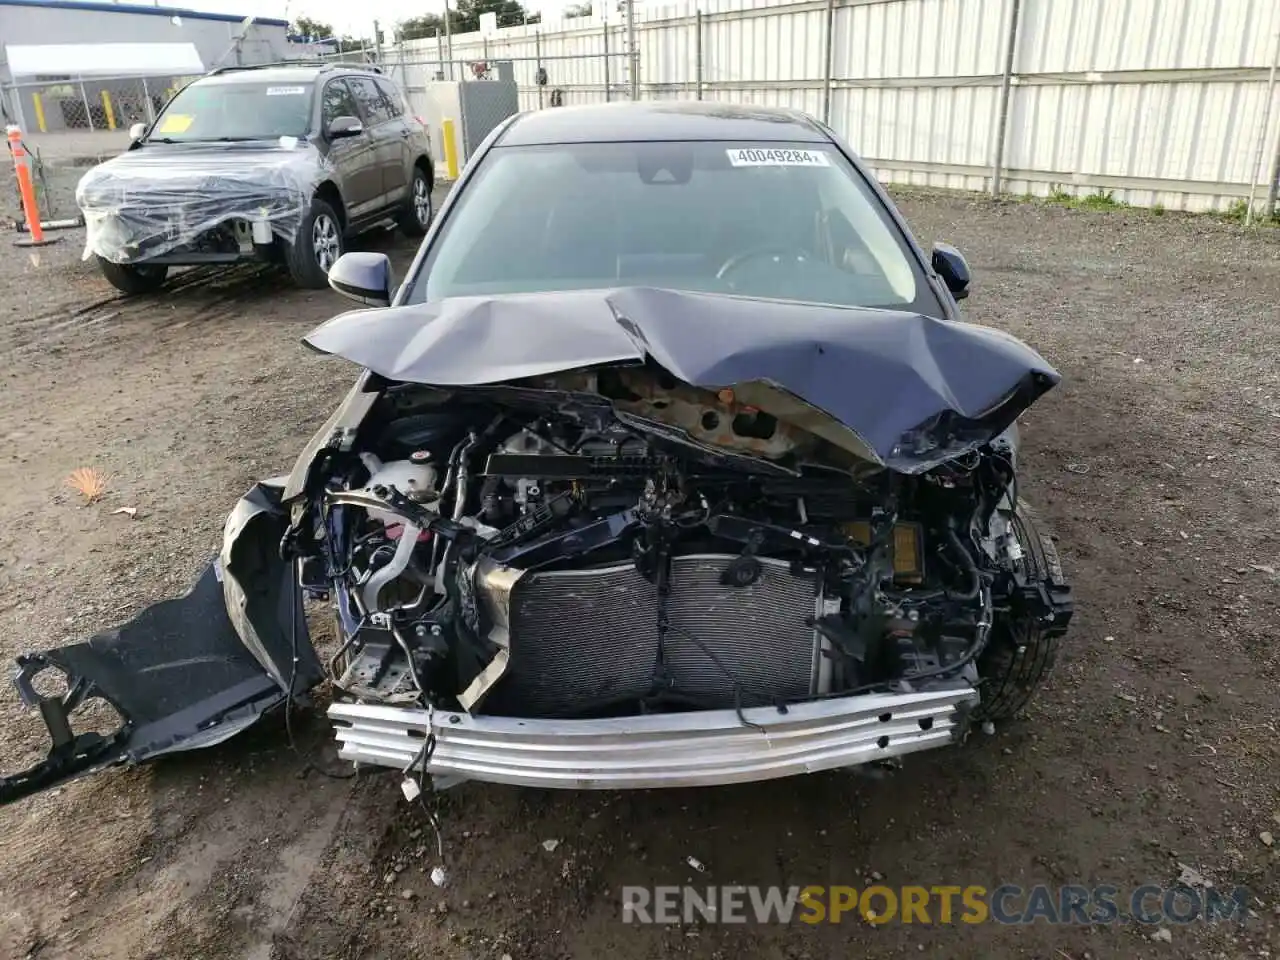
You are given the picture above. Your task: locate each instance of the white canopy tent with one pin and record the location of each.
(65, 86)
(103, 60)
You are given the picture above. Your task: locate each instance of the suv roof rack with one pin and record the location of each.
(330, 64)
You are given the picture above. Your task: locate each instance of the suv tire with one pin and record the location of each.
(415, 215)
(317, 247)
(134, 278)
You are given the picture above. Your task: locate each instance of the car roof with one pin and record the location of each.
(264, 75)
(629, 121)
(302, 73)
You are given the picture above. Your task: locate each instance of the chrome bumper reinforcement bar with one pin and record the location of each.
(700, 748)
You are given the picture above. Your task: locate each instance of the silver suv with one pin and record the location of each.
(281, 162)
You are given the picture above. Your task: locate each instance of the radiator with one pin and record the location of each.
(584, 639)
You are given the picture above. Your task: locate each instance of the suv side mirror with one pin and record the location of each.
(363, 277)
(137, 132)
(345, 126)
(951, 267)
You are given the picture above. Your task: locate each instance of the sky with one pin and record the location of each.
(346, 17)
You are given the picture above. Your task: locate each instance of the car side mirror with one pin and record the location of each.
(345, 126)
(951, 267)
(137, 132)
(363, 277)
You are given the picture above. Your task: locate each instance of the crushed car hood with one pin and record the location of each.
(909, 391)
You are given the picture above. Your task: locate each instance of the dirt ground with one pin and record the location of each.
(1157, 462)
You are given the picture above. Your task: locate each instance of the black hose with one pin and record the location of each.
(975, 578)
(454, 456)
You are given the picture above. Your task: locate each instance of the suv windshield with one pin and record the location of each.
(777, 220)
(236, 110)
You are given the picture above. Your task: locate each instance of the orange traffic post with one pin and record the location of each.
(28, 191)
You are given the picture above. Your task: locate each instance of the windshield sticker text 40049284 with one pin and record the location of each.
(776, 157)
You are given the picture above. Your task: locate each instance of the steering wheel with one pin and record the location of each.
(738, 259)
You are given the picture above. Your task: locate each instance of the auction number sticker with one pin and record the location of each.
(286, 91)
(776, 157)
(176, 122)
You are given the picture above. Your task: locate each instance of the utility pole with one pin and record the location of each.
(448, 38)
(1006, 81)
(633, 52)
(1262, 138)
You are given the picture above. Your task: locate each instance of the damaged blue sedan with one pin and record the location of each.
(671, 463)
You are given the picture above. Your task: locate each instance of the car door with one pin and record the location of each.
(382, 127)
(404, 125)
(358, 172)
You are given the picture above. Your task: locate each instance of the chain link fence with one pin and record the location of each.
(541, 81)
(993, 95)
(999, 100)
(70, 123)
(543, 78)
(47, 105)
(50, 200)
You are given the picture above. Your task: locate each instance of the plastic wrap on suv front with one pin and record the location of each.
(148, 204)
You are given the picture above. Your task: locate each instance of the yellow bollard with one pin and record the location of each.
(450, 149)
(106, 105)
(35, 97)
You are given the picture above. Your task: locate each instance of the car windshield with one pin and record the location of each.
(787, 221)
(236, 110)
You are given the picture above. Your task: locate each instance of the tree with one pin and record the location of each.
(464, 17)
(315, 29)
(577, 10)
(427, 25)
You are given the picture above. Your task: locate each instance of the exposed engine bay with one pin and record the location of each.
(670, 539)
(615, 542)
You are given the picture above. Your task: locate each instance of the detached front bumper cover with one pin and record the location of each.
(703, 748)
(180, 675)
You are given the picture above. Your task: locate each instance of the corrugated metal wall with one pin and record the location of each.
(1157, 101)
